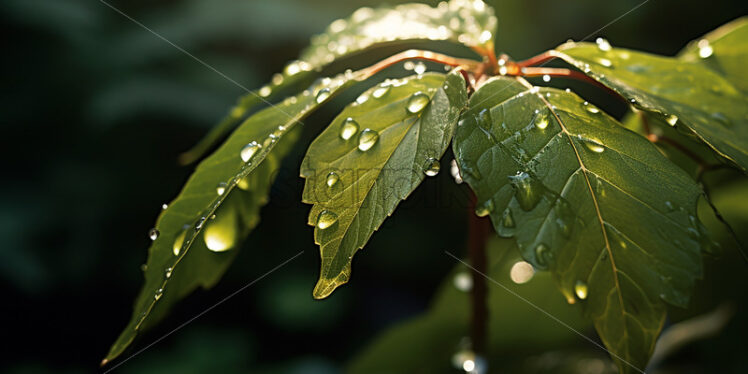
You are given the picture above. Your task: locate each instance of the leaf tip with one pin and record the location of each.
(325, 286)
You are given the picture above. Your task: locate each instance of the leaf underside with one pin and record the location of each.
(591, 201)
(218, 207)
(682, 92)
(367, 185)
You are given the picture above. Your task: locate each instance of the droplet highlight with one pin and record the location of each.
(325, 219)
(348, 128)
(153, 233)
(332, 179)
(249, 150)
(417, 102)
(322, 95)
(367, 139)
(580, 289)
(431, 167)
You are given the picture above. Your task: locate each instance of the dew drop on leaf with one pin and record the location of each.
(367, 139)
(153, 233)
(326, 219)
(332, 179)
(580, 289)
(167, 273)
(322, 95)
(454, 170)
(417, 102)
(705, 49)
(602, 44)
(604, 62)
(431, 167)
(164, 206)
(348, 128)
(265, 91)
(249, 150)
(419, 68)
(485, 209)
(671, 119)
(221, 188)
(380, 91)
(199, 224)
(541, 120)
(592, 144)
(527, 190)
(543, 255)
(590, 108)
(546, 78)
(178, 242)
(158, 294)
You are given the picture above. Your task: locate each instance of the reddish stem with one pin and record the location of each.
(467, 64)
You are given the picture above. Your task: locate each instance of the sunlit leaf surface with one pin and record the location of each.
(591, 201)
(374, 154)
(197, 234)
(680, 92)
(469, 22)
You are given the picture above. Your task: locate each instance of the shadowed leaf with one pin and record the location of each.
(594, 203)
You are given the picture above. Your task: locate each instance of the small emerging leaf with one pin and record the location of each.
(595, 203)
(374, 154)
(680, 92)
(196, 235)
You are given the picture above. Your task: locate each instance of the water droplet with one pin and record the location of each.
(503, 70)
(367, 139)
(485, 209)
(164, 206)
(521, 272)
(326, 219)
(592, 144)
(431, 167)
(348, 128)
(670, 207)
(332, 179)
(221, 188)
(419, 68)
(541, 120)
(199, 224)
(604, 62)
(705, 49)
(322, 95)
(721, 118)
(671, 119)
(381, 90)
(527, 190)
(221, 232)
(417, 102)
(249, 150)
(543, 255)
(177, 247)
(590, 108)
(454, 170)
(153, 233)
(580, 289)
(546, 78)
(277, 79)
(602, 44)
(409, 65)
(158, 294)
(463, 281)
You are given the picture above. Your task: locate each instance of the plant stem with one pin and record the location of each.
(477, 234)
(467, 64)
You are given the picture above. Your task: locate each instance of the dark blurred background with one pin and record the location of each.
(95, 110)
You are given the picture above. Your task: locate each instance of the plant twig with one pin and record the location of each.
(467, 64)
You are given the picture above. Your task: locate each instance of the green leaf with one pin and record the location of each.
(199, 232)
(678, 91)
(726, 49)
(374, 154)
(469, 22)
(595, 203)
(429, 342)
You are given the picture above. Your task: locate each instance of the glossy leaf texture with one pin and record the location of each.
(374, 154)
(469, 22)
(436, 341)
(681, 92)
(596, 204)
(726, 51)
(197, 235)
